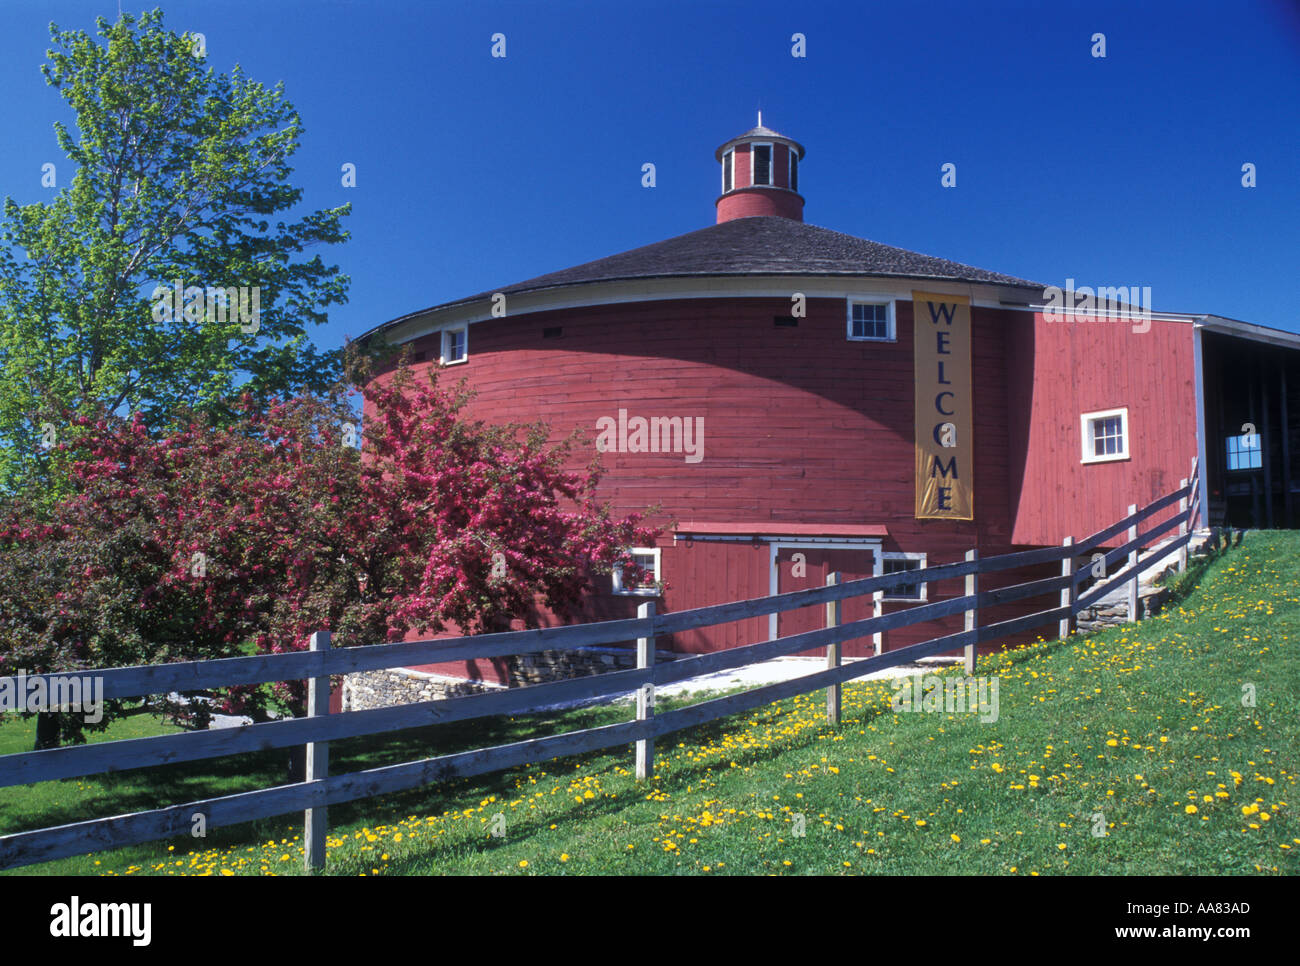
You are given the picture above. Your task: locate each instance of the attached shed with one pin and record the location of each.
(1249, 413)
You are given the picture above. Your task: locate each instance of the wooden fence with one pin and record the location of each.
(319, 727)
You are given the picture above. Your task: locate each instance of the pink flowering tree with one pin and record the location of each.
(210, 541)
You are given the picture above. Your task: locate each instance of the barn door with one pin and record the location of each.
(799, 568)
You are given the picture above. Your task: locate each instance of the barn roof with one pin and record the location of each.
(758, 245)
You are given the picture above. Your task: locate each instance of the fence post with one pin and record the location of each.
(1067, 592)
(833, 653)
(316, 820)
(972, 612)
(877, 609)
(645, 695)
(1133, 599)
(1182, 529)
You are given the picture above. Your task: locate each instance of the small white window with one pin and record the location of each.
(794, 170)
(871, 321)
(897, 563)
(647, 558)
(728, 170)
(1105, 435)
(455, 345)
(760, 156)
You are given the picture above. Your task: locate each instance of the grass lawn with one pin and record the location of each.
(1131, 752)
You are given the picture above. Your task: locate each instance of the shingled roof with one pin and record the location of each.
(759, 245)
(761, 131)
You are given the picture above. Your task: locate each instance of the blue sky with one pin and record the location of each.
(475, 172)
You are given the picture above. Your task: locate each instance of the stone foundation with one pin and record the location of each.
(1103, 615)
(385, 688)
(392, 686)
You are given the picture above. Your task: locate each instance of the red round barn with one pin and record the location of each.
(757, 378)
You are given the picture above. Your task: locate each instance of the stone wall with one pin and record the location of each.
(1110, 613)
(384, 688)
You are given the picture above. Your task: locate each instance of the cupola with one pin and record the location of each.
(760, 175)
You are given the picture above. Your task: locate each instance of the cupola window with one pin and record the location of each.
(728, 170)
(762, 155)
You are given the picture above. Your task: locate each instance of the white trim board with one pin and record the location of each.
(1087, 440)
(590, 294)
(1198, 363)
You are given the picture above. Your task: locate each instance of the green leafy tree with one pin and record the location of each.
(180, 177)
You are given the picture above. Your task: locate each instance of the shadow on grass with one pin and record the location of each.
(156, 787)
(1180, 586)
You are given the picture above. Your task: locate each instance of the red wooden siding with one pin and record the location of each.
(714, 572)
(803, 426)
(760, 201)
(1060, 370)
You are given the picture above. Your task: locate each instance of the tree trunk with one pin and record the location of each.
(47, 730)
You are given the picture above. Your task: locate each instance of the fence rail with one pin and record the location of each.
(320, 727)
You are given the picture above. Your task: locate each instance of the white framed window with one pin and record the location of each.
(793, 181)
(889, 562)
(1244, 452)
(760, 159)
(871, 320)
(647, 558)
(1105, 435)
(455, 345)
(728, 170)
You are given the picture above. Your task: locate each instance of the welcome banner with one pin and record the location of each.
(941, 337)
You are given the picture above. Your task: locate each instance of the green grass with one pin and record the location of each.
(1136, 725)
